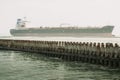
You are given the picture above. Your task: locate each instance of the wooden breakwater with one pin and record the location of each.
(107, 54)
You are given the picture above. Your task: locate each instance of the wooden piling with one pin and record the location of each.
(106, 54)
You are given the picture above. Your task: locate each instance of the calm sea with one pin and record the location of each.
(17, 65)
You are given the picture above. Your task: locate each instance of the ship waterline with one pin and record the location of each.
(64, 35)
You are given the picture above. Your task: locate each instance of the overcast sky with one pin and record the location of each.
(55, 12)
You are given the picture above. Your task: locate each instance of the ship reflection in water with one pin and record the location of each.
(71, 31)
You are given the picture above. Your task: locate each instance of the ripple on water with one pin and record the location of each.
(15, 65)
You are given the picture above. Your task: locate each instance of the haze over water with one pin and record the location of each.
(82, 13)
(17, 65)
(72, 39)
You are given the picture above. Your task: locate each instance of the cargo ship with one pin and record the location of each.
(21, 30)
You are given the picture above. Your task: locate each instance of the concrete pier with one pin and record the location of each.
(106, 54)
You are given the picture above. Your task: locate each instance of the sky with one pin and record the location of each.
(55, 12)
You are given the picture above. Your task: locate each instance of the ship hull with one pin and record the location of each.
(66, 32)
(66, 35)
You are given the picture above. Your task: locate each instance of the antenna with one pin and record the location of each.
(25, 21)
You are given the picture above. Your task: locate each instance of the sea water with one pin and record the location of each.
(18, 65)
